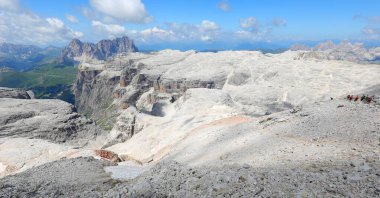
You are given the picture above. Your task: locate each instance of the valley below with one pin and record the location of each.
(197, 124)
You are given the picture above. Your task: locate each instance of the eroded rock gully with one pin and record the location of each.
(123, 84)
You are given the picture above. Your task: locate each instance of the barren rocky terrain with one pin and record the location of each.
(188, 124)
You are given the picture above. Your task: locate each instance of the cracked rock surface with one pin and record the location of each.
(15, 93)
(53, 120)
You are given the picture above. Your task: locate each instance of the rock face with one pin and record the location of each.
(94, 97)
(15, 93)
(52, 120)
(102, 50)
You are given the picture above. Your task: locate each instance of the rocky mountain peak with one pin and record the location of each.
(75, 43)
(299, 47)
(101, 50)
(325, 46)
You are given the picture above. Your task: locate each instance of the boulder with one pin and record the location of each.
(15, 93)
(53, 120)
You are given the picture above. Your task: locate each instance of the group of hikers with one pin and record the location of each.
(363, 98)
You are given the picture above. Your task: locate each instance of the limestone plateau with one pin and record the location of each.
(199, 124)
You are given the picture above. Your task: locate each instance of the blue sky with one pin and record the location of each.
(191, 24)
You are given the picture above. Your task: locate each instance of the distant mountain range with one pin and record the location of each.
(354, 52)
(24, 57)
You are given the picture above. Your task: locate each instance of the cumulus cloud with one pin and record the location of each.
(371, 31)
(209, 26)
(224, 5)
(250, 24)
(28, 28)
(9, 4)
(157, 33)
(72, 18)
(206, 31)
(206, 38)
(122, 10)
(111, 30)
(277, 22)
(372, 28)
(148, 35)
(262, 35)
(252, 30)
(154, 34)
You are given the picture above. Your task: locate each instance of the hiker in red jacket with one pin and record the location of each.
(356, 98)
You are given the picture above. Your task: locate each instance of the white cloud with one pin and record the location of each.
(9, 4)
(243, 35)
(206, 38)
(110, 30)
(56, 23)
(72, 18)
(28, 28)
(253, 31)
(209, 26)
(158, 33)
(250, 24)
(277, 22)
(371, 31)
(155, 34)
(122, 10)
(224, 5)
(206, 31)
